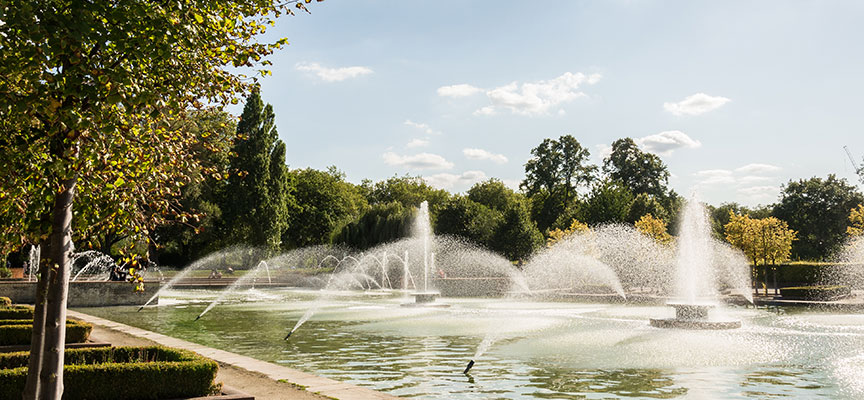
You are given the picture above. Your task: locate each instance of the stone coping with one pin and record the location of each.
(312, 383)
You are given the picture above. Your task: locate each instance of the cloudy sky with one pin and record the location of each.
(736, 97)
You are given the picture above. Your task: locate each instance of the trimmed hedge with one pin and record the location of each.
(816, 292)
(122, 373)
(5, 301)
(19, 331)
(16, 312)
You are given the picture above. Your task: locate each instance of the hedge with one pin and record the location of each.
(122, 373)
(16, 312)
(17, 331)
(816, 292)
(5, 301)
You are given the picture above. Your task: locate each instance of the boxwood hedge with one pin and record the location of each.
(816, 292)
(16, 312)
(122, 373)
(19, 331)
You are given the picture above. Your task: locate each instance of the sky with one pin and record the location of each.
(737, 97)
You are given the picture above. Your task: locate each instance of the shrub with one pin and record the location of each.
(16, 312)
(5, 272)
(123, 373)
(5, 301)
(19, 331)
(816, 292)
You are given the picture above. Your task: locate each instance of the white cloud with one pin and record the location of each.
(758, 169)
(417, 161)
(760, 194)
(512, 183)
(696, 104)
(460, 90)
(528, 98)
(753, 180)
(480, 154)
(748, 180)
(417, 143)
(715, 177)
(447, 181)
(537, 98)
(664, 143)
(424, 127)
(333, 74)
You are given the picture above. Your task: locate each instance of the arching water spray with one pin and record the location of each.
(233, 288)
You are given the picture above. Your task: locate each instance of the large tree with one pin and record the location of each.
(552, 177)
(86, 89)
(325, 203)
(818, 210)
(639, 171)
(256, 195)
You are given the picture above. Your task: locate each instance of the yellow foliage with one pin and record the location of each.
(856, 221)
(654, 228)
(557, 235)
(765, 241)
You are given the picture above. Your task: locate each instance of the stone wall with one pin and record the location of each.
(472, 287)
(85, 293)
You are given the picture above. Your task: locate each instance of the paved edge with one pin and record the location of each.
(311, 383)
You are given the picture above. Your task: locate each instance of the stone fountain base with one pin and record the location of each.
(425, 299)
(693, 316)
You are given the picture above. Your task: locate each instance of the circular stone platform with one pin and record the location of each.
(693, 316)
(425, 299)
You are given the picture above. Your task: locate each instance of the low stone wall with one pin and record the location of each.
(472, 287)
(86, 293)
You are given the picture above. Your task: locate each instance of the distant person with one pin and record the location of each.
(229, 271)
(212, 274)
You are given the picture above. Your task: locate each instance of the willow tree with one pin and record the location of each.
(89, 92)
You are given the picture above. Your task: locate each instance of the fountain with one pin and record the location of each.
(696, 281)
(422, 230)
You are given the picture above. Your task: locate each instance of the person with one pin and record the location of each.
(218, 274)
(229, 271)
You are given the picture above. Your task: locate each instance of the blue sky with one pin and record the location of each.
(736, 97)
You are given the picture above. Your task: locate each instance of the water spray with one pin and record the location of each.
(289, 334)
(468, 368)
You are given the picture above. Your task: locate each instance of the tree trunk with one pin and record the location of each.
(56, 282)
(37, 340)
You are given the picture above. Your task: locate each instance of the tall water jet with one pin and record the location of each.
(34, 260)
(422, 231)
(695, 288)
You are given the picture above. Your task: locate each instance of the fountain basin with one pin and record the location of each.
(425, 299)
(693, 316)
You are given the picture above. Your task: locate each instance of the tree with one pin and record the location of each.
(410, 191)
(856, 221)
(325, 203)
(86, 89)
(645, 204)
(554, 173)
(818, 210)
(558, 165)
(766, 241)
(609, 202)
(517, 236)
(557, 235)
(468, 219)
(639, 171)
(381, 223)
(654, 228)
(256, 196)
(494, 194)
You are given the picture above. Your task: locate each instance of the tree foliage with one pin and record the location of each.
(609, 202)
(257, 197)
(468, 219)
(325, 203)
(381, 223)
(557, 235)
(654, 228)
(856, 221)
(765, 241)
(817, 209)
(639, 171)
(517, 236)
